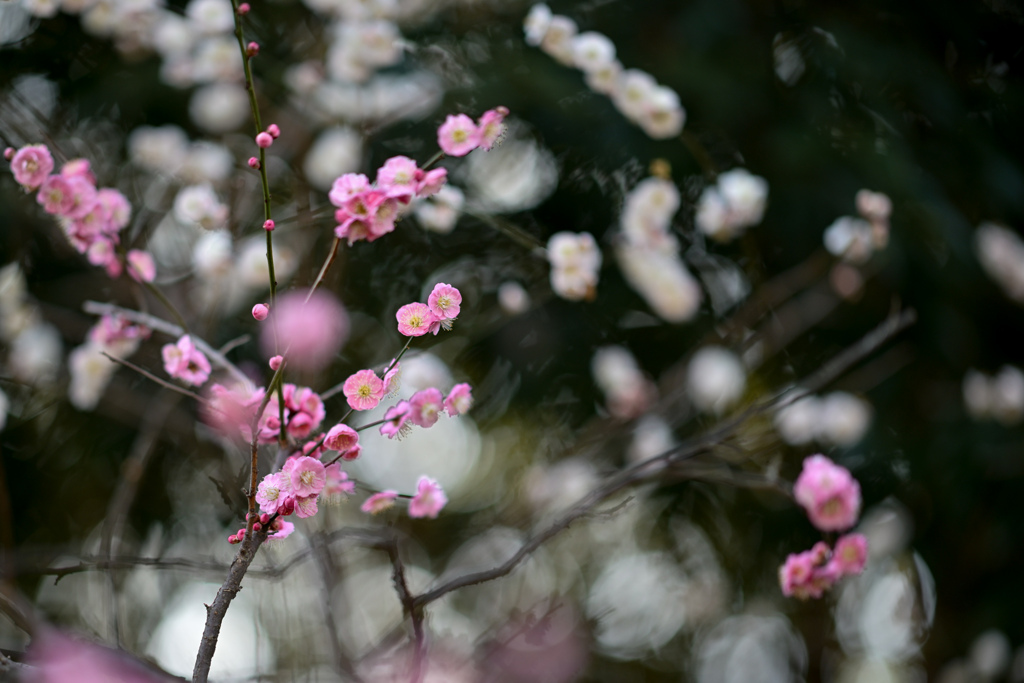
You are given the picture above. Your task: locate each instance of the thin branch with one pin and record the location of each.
(170, 329)
(148, 375)
(409, 608)
(324, 268)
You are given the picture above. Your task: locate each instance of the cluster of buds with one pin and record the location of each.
(303, 412)
(91, 217)
(368, 211)
(831, 497)
(458, 135)
(277, 528)
(267, 137)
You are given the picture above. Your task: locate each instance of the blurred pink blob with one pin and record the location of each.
(546, 644)
(56, 658)
(308, 333)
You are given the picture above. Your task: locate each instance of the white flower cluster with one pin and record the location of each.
(1001, 253)
(635, 93)
(1000, 397)
(715, 379)
(648, 253)
(855, 239)
(230, 275)
(166, 150)
(575, 262)
(199, 205)
(837, 419)
(628, 393)
(33, 345)
(440, 212)
(733, 204)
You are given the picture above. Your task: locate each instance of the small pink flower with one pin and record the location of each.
(31, 166)
(185, 362)
(274, 131)
(458, 135)
(83, 197)
(275, 363)
(426, 405)
(396, 420)
(346, 187)
(78, 167)
(415, 320)
(280, 530)
(117, 210)
(397, 177)
(260, 312)
(431, 182)
(311, 332)
(805, 575)
(364, 390)
(55, 195)
(459, 400)
(264, 140)
(342, 438)
(272, 491)
(141, 266)
(850, 554)
(379, 502)
(444, 301)
(492, 127)
(307, 477)
(429, 499)
(829, 494)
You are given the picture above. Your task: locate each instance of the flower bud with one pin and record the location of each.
(9, 153)
(275, 362)
(232, 539)
(274, 131)
(264, 518)
(268, 224)
(252, 49)
(256, 526)
(264, 140)
(254, 162)
(243, 9)
(260, 312)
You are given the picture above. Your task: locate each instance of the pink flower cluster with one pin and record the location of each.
(423, 409)
(303, 412)
(458, 135)
(442, 307)
(831, 497)
(428, 500)
(185, 362)
(91, 217)
(117, 332)
(278, 528)
(810, 573)
(368, 211)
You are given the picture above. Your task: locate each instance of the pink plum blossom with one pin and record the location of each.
(116, 209)
(829, 494)
(31, 165)
(306, 506)
(850, 554)
(55, 195)
(141, 266)
(430, 182)
(346, 187)
(379, 502)
(459, 400)
(310, 332)
(429, 499)
(393, 378)
(415, 320)
(307, 477)
(364, 390)
(805, 575)
(78, 167)
(492, 127)
(458, 135)
(396, 420)
(272, 491)
(185, 362)
(444, 301)
(397, 177)
(56, 658)
(303, 412)
(280, 529)
(342, 438)
(425, 406)
(338, 483)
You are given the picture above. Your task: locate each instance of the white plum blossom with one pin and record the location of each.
(536, 24)
(850, 239)
(836, 419)
(158, 149)
(1001, 253)
(715, 379)
(210, 17)
(1000, 397)
(512, 298)
(557, 40)
(440, 212)
(592, 51)
(575, 262)
(736, 202)
(628, 393)
(199, 205)
(335, 151)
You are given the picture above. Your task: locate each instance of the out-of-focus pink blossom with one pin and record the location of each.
(850, 554)
(829, 494)
(310, 332)
(185, 362)
(364, 390)
(425, 406)
(78, 167)
(338, 484)
(397, 177)
(805, 575)
(56, 658)
(458, 135)
(393, 378)
(55, 195)
(31, 165)
(429, 499)
(230, 410)
(141, 266)
(346, 187)
(303, 412)
(379, 502)
(415, 320)
(459, 400)
(280, 530)
(431, 182)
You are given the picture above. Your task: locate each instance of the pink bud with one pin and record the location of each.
(264, 518)
(264, 140)
(275, 362)
(241, 533)
(252, 49)
(256, 526)
(287, 508)
(232, 539)
(260, 312)
(268, 224)
(243, 9)
(9, 153)
(274, 130)
(254, 162)
(247, 516)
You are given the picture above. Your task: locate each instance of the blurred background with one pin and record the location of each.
(920, 101)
